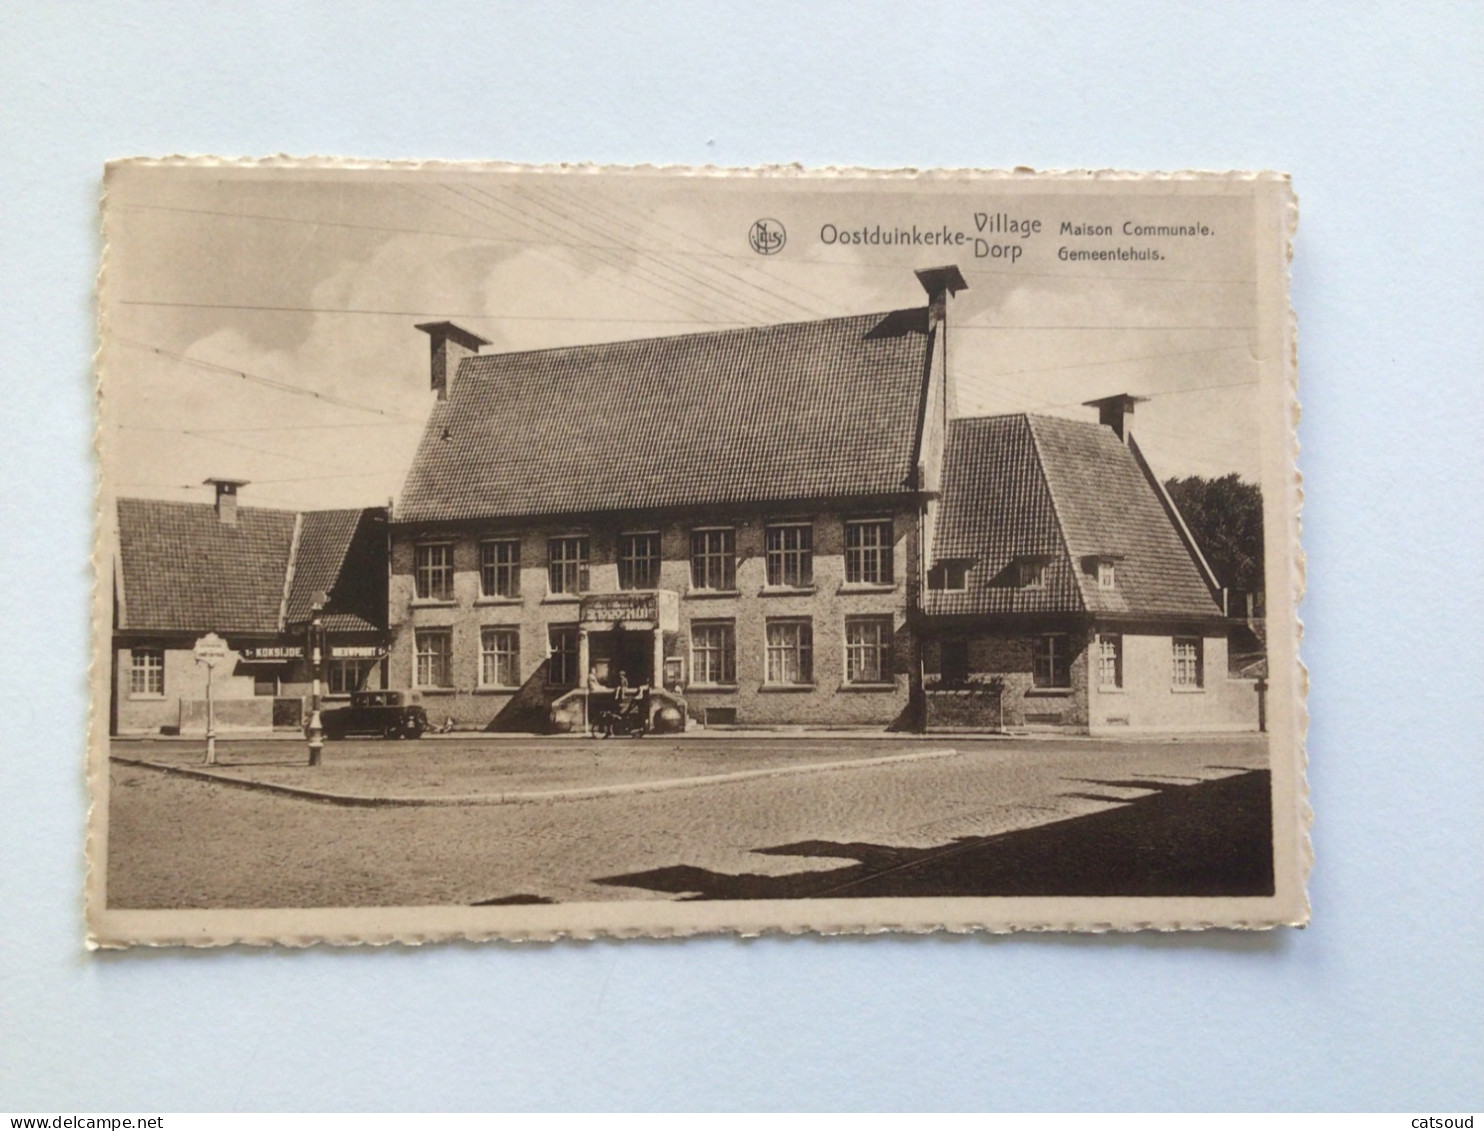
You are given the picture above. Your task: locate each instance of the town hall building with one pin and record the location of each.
(791, 525)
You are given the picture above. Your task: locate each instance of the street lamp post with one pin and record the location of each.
(312, 653)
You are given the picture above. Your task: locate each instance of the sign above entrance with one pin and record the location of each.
(658, 609)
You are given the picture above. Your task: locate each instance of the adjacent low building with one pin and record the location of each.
(1066, 592)
(261, 579)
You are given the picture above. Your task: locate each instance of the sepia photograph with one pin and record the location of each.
(506, 552)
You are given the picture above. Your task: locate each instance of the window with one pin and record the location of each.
(638, 561)
(868, 650)
(1110, 660)
(344, 676)
(1107, 575)
(146, 671)
(567, 558)
(868, 552)
(1031, 573)
(499, 657)
(1189, 670)
(790, 652)
(713, 559)
(713, 653)
(949, 575)
(434, 571)
(1049, 661)
(434, 647)
(499, 568)
(790, 556)
(561, 669)
(955, 665)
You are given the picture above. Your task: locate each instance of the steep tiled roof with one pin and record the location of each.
(324, 538)
(774, 412)
(1069, 493)
(996, 509)
(1108, 508)
(183, 570)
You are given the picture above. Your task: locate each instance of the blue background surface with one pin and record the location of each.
(1375, 109)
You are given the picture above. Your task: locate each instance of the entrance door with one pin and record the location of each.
(631, 653)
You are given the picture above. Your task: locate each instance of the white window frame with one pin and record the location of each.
(426, 660)
(146, 673)
(556, 633)
(713, 653)
(789, 552)
(1110, 661)
(499, 567)
(567, 561)
(788, 652)
(868, 650)
(1051, 662)
(713, 558)
(1188, 663)
(630, 561)
(1107, 574)
(870, 550)
(942, 577)
(426, 571)
(338, 667)
(499, 655)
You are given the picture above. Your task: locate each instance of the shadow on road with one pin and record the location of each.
(1212, 838)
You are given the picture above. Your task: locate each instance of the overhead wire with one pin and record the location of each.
(655, 265)
(789, 307)
(257, 379)
(616, 256)
(749, 263)
(665, 295)
(426, 313)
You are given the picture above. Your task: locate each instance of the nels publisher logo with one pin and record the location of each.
(767, 237)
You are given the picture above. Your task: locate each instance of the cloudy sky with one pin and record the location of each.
(259, 324)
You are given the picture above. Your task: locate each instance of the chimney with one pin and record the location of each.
(941, 283)
(1114, 412)
(451, 344)
(226, 499)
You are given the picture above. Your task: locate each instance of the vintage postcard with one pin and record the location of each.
(491, 552)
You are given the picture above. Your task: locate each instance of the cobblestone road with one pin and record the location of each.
(176, 842)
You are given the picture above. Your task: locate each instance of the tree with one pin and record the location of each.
(1225, 518)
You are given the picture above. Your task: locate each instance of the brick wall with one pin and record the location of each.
(826, 605)
(1008, 655)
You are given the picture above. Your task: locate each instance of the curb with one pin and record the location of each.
(579, 793)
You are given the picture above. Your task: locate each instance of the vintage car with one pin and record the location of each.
(391, 714)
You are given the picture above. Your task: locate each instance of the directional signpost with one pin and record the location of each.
(210, 650)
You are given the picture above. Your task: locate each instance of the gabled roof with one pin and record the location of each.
(324, 539)
(804, 410)
(182, 570)
(1070, 494)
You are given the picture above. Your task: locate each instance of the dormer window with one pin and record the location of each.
(951, 575)
(1031, 573)
(1103, 568)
